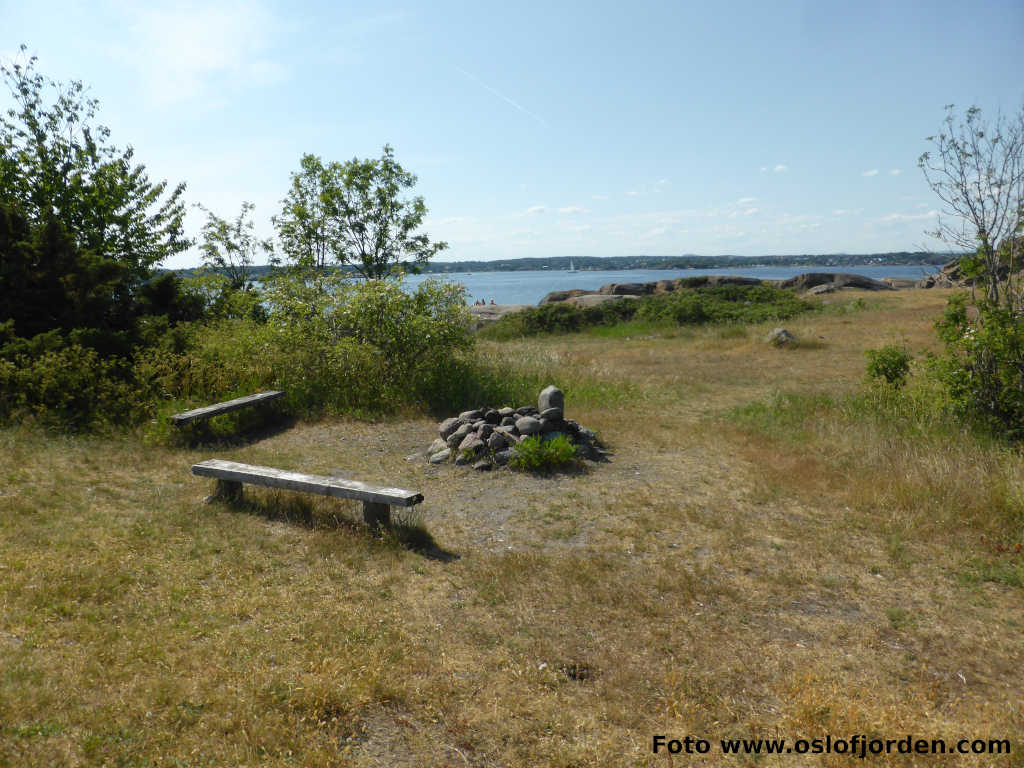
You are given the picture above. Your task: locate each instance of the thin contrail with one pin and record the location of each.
(503, 97)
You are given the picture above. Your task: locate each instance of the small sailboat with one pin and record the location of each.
(572, 267)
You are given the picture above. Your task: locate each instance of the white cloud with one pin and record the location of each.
(895, 172)
(656, 232)
(599, 197)
(751, 211)
(746, 200)
(898, 217)
(663, 182)
(536, 209)
(764, 168)
(872, 172)
(632, 193)
(846, 211)
(573, 209)
(179, 48)
(780, 168)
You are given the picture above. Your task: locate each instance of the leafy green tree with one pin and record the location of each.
(231, 247)
(354, 214)
(60, 175)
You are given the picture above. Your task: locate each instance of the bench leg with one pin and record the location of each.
(228, 490)
(376, 515)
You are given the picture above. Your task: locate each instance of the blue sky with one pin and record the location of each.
(597, 128)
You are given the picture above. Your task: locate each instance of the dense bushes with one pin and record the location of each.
(703, 304)
(983, 368)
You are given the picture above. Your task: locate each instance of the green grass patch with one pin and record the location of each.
(731, 304)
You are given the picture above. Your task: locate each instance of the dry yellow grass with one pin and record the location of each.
(710, 581)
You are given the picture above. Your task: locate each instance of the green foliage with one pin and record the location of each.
(365, 348)
(55, 163)
(71, 387)
(983, 368)
(231, 247)
(700, 305)
(351, 214)
(81, 227)
(891, 363)
(535, 454)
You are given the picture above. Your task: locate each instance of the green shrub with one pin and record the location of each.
(891, 363)
(70, 387)
(983, 368)
(535, 454)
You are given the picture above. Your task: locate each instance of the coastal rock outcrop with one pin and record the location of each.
(837, 280)
(472, 438)
(805, 282)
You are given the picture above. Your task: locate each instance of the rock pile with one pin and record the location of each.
(487, 437)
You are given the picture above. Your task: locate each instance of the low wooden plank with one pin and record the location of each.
(230, 405)
(297, 481)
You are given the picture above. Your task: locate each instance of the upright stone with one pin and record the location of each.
(551, 397)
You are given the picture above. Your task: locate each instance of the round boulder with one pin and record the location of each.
(448, 426)
(528, 425)
(441, 456)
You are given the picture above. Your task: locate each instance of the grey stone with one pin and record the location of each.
(484, 431)
(554, 413)
(477, 424)
(491, 416)
(471, 444)
(527, 425)
(441, 456)
(780, 337)
(498, 441)
(448, 426)
(547, 425)
(526, 410)
(471, 415)
(551, 397)
(506, 411)
(587, 435)
(463, 459)
(483, 465)
(501, 458)
(508, 421)
(437, 445)
(458, 435)
(552, 435)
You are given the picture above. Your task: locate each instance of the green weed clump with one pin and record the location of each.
(535, 454)
(700, 305)
(891, 363)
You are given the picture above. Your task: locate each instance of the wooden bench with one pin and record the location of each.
(377, 501)
(231, 405)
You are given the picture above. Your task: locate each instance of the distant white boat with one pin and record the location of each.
(572, 267)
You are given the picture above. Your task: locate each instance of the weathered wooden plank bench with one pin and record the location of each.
(377, 501)
(230, 405)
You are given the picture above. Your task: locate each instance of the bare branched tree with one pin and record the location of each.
(977, 170)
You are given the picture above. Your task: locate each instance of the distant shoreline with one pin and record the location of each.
(688, 262)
